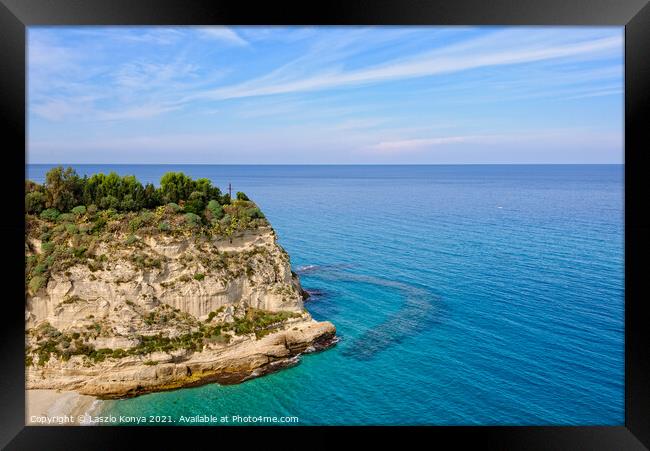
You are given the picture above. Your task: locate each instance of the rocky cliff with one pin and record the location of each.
(139, 308)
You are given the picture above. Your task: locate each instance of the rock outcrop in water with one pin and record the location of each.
(136, 306)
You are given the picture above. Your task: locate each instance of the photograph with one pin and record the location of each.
(324, 225)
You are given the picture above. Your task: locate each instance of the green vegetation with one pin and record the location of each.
(49, 341)
(211, 315)
(214, 210)
(79, 210)
(51, 214)
(69, 215)
(34, 202)
(259, 322)
(193, 220)
(64, 191)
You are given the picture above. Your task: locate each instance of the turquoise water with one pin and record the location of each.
(462, 294)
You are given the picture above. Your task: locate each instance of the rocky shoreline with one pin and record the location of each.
(68, 405)
(231, 365)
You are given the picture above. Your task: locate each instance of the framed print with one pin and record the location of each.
(422, 218)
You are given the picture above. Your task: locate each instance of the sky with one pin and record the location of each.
(325, 95)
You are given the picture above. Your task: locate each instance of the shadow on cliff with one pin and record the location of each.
(416, 314)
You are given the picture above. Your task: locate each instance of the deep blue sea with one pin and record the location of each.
(463, 295)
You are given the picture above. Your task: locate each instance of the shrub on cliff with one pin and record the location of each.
(192, 220)
(172, 208)
(65, 217)
(255, 213)
(143, 219)
(50, 214)
(47, 247)
(79, 210)
(214, 211)
(34, 202)
(36, 283)
(71, 228)
(196, 203)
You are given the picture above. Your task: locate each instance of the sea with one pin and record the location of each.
(462, 295)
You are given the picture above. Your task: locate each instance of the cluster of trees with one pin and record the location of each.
(64, 190)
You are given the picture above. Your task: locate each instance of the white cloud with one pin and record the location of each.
(406, 145)
(442, 61)
(55, 110)
(522, 139)
(600, 93)
(138, 112)
(223, 34)
(159, 36)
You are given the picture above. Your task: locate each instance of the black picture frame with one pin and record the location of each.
(16, 15)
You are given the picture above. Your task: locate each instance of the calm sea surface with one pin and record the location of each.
(462, 294)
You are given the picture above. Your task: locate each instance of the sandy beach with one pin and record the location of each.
(57, 408)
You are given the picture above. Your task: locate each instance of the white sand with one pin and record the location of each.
(57, 408)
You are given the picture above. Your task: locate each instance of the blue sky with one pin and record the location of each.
(325, 95)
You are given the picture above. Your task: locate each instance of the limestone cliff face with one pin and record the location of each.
(194, 275)
(154, 312)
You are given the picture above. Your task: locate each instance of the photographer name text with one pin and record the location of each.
(160, 419)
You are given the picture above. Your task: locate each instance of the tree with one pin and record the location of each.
(64, 188)
(94, 189)
(109, 201)
(205, 186)
(34, 202)
(131, 191)
(128, 203)
(196, 203)
(176, 186)
(150, 197)
(32, 186)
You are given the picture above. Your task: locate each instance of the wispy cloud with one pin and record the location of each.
(426, 64)
(223, 34)
(523, 138)
(139, 112)
(407, 145)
